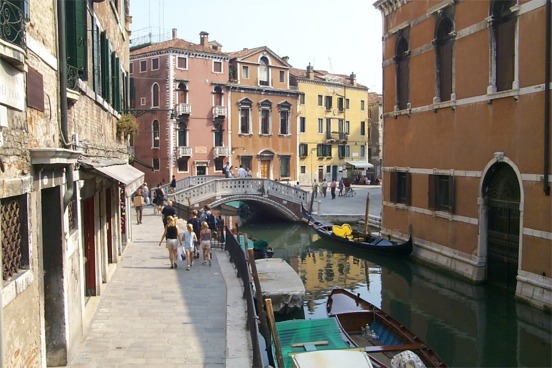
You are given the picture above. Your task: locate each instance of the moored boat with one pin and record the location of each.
(281, 283)
(344, 234)
(382, 337)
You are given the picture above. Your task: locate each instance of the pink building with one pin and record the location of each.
(178, 95)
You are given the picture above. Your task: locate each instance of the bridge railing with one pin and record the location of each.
(217, 187)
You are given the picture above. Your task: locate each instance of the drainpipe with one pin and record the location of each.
(547, 101)
(63, 98)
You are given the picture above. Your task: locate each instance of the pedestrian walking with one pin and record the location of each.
(315, 188)
(333, 185)
(324, 187)
(171, 236)
(249, 173)
(196, 226)
(226, 170)
(138, 202)
(146, 194)
(172, 185)
(159, 199)
(188, 239)
(340, 187)
(168, 211)
(206, 238)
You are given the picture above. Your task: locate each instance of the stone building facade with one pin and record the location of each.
(64, 174)
(333, 126)
(466, 103)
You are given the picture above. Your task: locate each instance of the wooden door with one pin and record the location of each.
(265, 169)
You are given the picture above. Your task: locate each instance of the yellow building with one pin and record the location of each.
(332, 126)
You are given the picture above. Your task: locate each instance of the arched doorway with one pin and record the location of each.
(502, 192)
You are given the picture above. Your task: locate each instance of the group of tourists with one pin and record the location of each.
(242, 172)
(198, 234)
(343, 184)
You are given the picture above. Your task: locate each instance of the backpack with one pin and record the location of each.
(211, 221)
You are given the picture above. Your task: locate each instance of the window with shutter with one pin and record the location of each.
(75, 23)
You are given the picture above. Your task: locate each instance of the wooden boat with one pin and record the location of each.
(381, 336)
(344, 234)
(260, 247)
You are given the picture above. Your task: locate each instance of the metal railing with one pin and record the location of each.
(237, 256)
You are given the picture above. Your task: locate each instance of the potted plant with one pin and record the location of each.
(127, 125)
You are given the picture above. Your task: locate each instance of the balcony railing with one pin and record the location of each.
(336, 137)
(12, 23)
(184, 151)
(183, 109)
(221, 152)
(72, 77)
(219, 111)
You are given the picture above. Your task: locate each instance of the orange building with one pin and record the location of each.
(466, 105)
(263, 114)
(179, 96)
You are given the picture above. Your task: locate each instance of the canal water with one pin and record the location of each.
(467, 325)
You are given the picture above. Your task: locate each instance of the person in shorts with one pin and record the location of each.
(205, 237)
(188, 238)
(171, 235)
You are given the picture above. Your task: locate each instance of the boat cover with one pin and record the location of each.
(309, 335)
(332, 359)
(281, 284)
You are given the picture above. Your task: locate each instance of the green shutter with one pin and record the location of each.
(104, 62)
(117, 85)
(96, 59)
(75, 30)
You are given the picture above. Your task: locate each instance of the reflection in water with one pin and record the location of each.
(467, 325)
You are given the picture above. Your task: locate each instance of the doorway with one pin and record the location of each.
(89, 247)
(502, 191)
(54, 300)
(265, 169)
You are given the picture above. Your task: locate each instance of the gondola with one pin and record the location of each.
(260, 247)
(379, 334)
(345, 235)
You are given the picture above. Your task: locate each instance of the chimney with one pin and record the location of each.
(310, 73)
(204, 39)
(174, 36)
(352, 78)
(286, 59)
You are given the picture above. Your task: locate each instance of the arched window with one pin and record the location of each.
(443, 52)
(155, 134)
(503, 35)
(182, 93)
(402, 73)
(263, 71)
(155, 95)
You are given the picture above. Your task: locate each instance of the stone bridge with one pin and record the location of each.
(197, 191)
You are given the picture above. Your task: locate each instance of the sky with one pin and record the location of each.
(339, 36)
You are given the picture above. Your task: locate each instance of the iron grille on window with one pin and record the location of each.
(13, 256)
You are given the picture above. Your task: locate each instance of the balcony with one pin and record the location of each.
(336, 137)
(184, 151)
(219, 111)
(183, 109)
(221, 152)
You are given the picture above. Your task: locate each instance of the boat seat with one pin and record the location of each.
(344, 231)
(384, 348)
(385, 336)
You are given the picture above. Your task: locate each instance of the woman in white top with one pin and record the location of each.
(188, 238)
(205, 239)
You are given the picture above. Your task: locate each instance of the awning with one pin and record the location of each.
(125, 174)
(360, 164)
